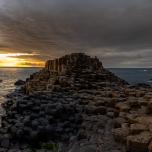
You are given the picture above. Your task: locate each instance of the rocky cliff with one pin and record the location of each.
(76, 70)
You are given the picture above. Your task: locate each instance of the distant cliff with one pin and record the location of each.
(77, 71)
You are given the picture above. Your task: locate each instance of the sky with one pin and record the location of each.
(119, 32)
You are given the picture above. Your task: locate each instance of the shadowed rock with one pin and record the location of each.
(19, 83)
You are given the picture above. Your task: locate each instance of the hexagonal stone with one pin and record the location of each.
(137, 128)
(122, 107)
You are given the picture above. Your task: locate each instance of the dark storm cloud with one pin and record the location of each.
(118, 31)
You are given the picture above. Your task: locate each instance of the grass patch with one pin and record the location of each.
(54, 147)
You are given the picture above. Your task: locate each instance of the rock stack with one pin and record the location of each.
(77, 70)
(72, 62)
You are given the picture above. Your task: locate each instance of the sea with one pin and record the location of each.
(10, 75)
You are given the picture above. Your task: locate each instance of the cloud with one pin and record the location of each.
(118, 31)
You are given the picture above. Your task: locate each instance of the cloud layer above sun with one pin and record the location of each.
(117, 31)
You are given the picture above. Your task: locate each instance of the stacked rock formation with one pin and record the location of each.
(69, 63)
(76, 70)
(80, 107)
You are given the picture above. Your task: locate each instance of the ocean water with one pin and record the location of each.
(134, 75)
(11, 75)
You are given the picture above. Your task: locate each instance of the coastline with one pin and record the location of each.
(77, 117)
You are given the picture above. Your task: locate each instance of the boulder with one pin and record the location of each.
(142, 102)
(150, 147)
(5, 141)
(110, 114)
(139, 142)
(137, 128)
(133, 102)
(96, 110)
(117, 122)
(146, 120)
(19, 82)
(120, 134)
(122, 107)
(140, 93)
(149, 107)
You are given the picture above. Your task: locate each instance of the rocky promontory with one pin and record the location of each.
(74, 104)
(77, 71)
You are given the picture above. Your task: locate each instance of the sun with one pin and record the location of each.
(9, 62)
(15, 60)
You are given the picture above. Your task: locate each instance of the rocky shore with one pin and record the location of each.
(75, 105)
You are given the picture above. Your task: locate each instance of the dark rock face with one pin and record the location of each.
(72, 62)
(19, 83)
(77, 71)
(41, 117)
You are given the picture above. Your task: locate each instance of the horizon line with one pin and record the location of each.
(105, 67)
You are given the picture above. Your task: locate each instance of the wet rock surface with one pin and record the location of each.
(77, 111)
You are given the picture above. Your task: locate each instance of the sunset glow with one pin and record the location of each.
(16, 60)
